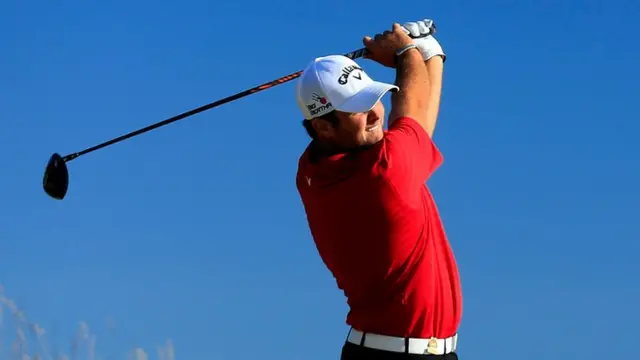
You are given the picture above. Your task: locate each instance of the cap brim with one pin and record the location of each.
(367, 98)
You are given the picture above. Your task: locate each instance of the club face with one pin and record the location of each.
(56, 177)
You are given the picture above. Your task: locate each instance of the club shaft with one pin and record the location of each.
(353, 55)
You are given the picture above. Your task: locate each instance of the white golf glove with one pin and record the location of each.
(428, 45)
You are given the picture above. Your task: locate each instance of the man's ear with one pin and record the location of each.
(322, 127)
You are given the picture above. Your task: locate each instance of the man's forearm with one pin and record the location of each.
(434, 68)
(413, 80)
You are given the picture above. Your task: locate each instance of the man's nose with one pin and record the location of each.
(371, 117)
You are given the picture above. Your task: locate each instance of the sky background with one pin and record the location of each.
(195, 232)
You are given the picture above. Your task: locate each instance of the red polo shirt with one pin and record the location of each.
(377, 229)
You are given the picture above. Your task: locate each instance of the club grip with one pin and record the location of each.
(362, 52)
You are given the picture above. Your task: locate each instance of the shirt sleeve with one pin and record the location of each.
(410, 155)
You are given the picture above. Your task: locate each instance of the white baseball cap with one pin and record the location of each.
(336, 82)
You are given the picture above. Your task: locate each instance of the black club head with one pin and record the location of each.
(56, 177)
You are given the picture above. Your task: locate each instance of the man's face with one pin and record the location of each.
(355, 129)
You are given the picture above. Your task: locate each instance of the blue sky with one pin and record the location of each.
(195, 233)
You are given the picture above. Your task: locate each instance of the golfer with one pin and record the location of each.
(371, 215)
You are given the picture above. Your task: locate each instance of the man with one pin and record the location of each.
(372, 217)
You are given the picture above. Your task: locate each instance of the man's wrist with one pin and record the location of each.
(409, 50)
(405, 48)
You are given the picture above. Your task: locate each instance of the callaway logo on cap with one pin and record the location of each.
(336, 82)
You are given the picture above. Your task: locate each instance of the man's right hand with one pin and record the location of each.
(383, 47)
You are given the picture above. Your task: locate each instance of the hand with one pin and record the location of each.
(427, 44)
(420, 28)
(383, 47)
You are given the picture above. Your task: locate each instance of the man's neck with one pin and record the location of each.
(319, 150)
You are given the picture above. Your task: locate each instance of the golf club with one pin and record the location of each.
(56, 176)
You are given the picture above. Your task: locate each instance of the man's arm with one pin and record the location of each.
(423, 98)
(409, 156)
(412, 99)
(422, 31)
(435, 68)
(412, 156)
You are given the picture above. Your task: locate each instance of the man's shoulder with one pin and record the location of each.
(407, 125)
(407, 140)
(339, 178)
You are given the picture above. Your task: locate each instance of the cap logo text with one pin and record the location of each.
(346, 71)
(320, 104)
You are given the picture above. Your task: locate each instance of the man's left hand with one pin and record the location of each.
(428, 45)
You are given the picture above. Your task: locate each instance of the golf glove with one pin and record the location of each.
(428, 45)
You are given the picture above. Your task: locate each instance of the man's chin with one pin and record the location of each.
(375, 137)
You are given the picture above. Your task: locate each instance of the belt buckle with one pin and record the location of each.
(432, 346)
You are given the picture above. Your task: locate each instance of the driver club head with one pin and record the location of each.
(56, 177)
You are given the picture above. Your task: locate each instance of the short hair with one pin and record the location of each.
(331, 117)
